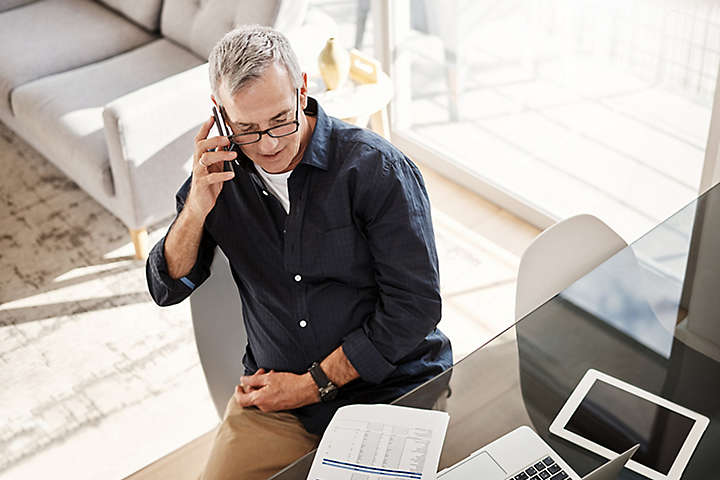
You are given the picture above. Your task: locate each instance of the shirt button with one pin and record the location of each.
(298, 278)
(303, 324)
(265, 193)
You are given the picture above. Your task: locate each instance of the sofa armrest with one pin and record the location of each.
(150, 134)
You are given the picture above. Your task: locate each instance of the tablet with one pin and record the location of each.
(608, 416)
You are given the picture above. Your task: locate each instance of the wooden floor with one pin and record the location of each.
(482, 217)
(185, 463)
(478, 299)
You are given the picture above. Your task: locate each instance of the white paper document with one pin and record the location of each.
(380, 442)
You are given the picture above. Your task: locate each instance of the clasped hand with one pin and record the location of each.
(274, 391)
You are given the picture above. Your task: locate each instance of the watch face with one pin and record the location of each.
(328, 393)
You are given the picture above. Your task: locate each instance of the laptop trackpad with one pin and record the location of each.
(482, 466)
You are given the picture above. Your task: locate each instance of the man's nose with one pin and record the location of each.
(268, 144)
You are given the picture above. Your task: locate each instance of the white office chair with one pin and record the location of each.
(219, 331)
(559, 256)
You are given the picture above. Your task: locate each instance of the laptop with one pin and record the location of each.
(523, 455)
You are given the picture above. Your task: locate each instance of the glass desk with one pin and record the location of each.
(649, 315)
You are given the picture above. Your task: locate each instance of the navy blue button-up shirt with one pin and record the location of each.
(352, 264)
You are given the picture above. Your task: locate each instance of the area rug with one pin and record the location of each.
(97, 380)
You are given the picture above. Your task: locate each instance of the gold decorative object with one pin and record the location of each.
(334, 64)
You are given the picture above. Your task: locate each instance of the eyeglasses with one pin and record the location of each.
(282, 130)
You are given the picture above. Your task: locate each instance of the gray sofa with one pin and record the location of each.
(113, 91)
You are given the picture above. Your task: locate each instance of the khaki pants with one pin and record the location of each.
(252, 445)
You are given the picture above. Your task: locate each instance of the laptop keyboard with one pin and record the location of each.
(544, 469)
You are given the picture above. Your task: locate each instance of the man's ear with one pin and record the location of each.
(304, 92)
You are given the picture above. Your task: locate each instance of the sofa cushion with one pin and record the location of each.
(198, 25)
(145, 13)
(65, 109)
(53, 36)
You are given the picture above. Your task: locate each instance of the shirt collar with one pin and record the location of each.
(316, 153)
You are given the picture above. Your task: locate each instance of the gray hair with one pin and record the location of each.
(244, 54)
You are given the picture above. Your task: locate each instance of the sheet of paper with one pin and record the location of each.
(380, 442)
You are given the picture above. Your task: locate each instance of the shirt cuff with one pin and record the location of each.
(163, 288)
(366, 359)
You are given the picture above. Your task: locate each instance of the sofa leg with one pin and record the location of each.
(140, 242)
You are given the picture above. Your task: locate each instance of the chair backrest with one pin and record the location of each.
(219, 331)
(559, 256)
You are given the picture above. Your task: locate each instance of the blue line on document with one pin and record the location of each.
(369, 469)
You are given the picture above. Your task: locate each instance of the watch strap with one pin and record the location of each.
(326, 388)
(317, 373)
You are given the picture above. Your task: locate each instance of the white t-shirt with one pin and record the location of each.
(277, 184)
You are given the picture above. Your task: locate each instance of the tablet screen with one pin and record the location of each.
(617, 420)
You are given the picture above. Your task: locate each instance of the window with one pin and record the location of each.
(557, 107)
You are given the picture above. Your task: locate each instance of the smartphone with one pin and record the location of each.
(221, 130)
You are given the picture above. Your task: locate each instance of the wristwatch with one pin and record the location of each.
(326, 388)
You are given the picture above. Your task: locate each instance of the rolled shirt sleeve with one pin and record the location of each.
(164, 289)
(396, 212)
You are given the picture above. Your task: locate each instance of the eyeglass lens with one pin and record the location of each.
(275, 132)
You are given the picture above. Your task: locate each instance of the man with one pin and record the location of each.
(327, 229)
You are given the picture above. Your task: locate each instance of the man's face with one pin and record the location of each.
(262, 104)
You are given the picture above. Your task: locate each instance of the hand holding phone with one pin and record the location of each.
(208, 172)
